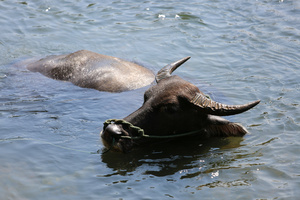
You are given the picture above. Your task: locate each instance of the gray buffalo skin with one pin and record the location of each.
(92, 70)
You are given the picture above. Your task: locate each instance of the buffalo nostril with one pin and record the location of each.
(114, 131)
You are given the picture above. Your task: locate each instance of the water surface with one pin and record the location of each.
(241, 51)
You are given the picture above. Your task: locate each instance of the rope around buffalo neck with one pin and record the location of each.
(141, 133)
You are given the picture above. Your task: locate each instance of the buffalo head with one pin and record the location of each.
(174, 106)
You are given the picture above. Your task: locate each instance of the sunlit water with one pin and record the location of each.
(241, 51)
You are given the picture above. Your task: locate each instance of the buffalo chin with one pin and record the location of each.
(119, 145)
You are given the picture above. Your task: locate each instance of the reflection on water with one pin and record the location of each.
(171, 157)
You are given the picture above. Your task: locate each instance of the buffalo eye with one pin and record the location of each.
(169, 108)
(146, 97)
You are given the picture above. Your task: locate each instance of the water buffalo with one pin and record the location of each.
(171, 108)
(92, 70)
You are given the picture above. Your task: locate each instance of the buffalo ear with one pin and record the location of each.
(168, 69)
(214, 108)
(219, 126)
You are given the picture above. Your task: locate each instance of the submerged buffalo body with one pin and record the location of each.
(174, 106)
(92, 70)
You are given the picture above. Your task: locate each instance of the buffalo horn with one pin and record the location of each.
(168, 69)
(215, 108)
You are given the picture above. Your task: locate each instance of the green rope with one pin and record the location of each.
(141, 133)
